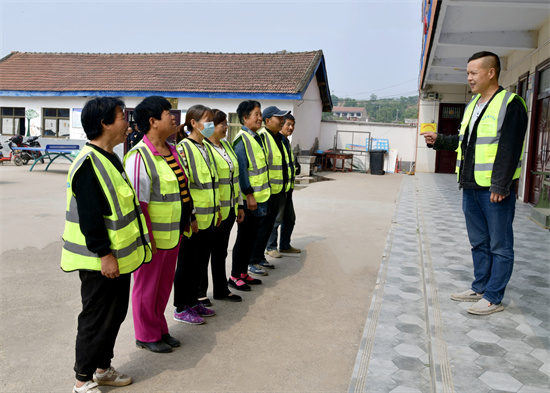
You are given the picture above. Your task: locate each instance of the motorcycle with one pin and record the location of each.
(22, 157)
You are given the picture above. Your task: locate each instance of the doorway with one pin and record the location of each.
(450, 116)
(539, 141)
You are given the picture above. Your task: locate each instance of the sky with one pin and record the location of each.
(370, 46)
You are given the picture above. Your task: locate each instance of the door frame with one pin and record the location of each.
(531, 159)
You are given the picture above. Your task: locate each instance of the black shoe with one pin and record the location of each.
(251, 281)
(243, 287)
(158, 346)
(206, 302)
(172, 341)
(230, 297)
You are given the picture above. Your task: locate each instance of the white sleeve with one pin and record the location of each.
(139, 178)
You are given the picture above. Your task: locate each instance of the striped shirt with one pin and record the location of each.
(184, 190)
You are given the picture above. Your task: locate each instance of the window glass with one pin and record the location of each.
(64, 128)
(7, 111)
(19, 112)
(7, 125)
(233, 127)
(544, 84)
(62, 113)
(50, 127)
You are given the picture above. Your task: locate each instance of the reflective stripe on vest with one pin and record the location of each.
(257, 166)
(229, 191)
(126, 229)
(292, 169)
(275, 163)
(489, 130)
(165, 199)
(203, 182)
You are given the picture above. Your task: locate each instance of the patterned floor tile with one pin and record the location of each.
(430, 257)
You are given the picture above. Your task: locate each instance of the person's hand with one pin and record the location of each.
(240, 216)
(194, 226)
(154, 246)
(429, 137)
(218, 223)
(109, 266)
(251, 202)
(495, 198)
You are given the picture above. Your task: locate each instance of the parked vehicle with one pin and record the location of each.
(2, 156)
(22, 157)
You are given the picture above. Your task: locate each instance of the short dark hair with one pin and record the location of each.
(152, 106)
(245, 107)
(99, 111)
(196, 112)
(219, 116)
(493, 60)
(288, 116)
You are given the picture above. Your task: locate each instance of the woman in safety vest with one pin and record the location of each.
(105, 238)
(254, 183)
(200, 167)
(155, 170)
(231, 202)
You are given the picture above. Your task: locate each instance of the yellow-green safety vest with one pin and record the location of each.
(293, 180)
(275, 163)
(257, 166)
(203, 181)
(489, 130)
(126, 226)
(229, 189)
(165, 200)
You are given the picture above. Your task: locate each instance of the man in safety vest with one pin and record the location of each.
(279, 182)
(287, 219)
(490, 149)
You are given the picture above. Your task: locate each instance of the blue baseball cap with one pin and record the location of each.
(271, 111)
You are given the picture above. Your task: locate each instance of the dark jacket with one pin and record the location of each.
(508, 153)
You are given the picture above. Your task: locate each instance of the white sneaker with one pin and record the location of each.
(274, 254)
(112, 377)
(466, 296)
(484, 307)
(88, 387)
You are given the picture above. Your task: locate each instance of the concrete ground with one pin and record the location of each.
(300, 332)
(364, 308)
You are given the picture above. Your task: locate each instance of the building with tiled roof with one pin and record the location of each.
(56, 86)
(350, 113)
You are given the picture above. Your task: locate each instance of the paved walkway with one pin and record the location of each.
(418, 340)
(304, 330)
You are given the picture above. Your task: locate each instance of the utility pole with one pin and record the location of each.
(397, 116)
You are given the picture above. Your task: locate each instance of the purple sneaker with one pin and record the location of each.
(203, 311)
(188, 315)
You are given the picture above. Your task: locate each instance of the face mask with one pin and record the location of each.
(208, 129)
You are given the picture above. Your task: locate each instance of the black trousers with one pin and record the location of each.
(218, 256)
(246, 237)
(193, 257)
(265, 226)
(104, 308)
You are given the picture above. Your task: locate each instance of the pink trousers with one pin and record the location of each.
(152, 286)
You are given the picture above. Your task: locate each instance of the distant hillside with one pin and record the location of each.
(380, 110)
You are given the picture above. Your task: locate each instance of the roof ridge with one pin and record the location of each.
(281, 53)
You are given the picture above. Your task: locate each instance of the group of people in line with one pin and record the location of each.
(164, 213)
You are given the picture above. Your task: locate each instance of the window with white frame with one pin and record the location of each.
(13, 121)
(233, 127)
(55, 122)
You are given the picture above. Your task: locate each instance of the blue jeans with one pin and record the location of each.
(491, 235)
(286, 218)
